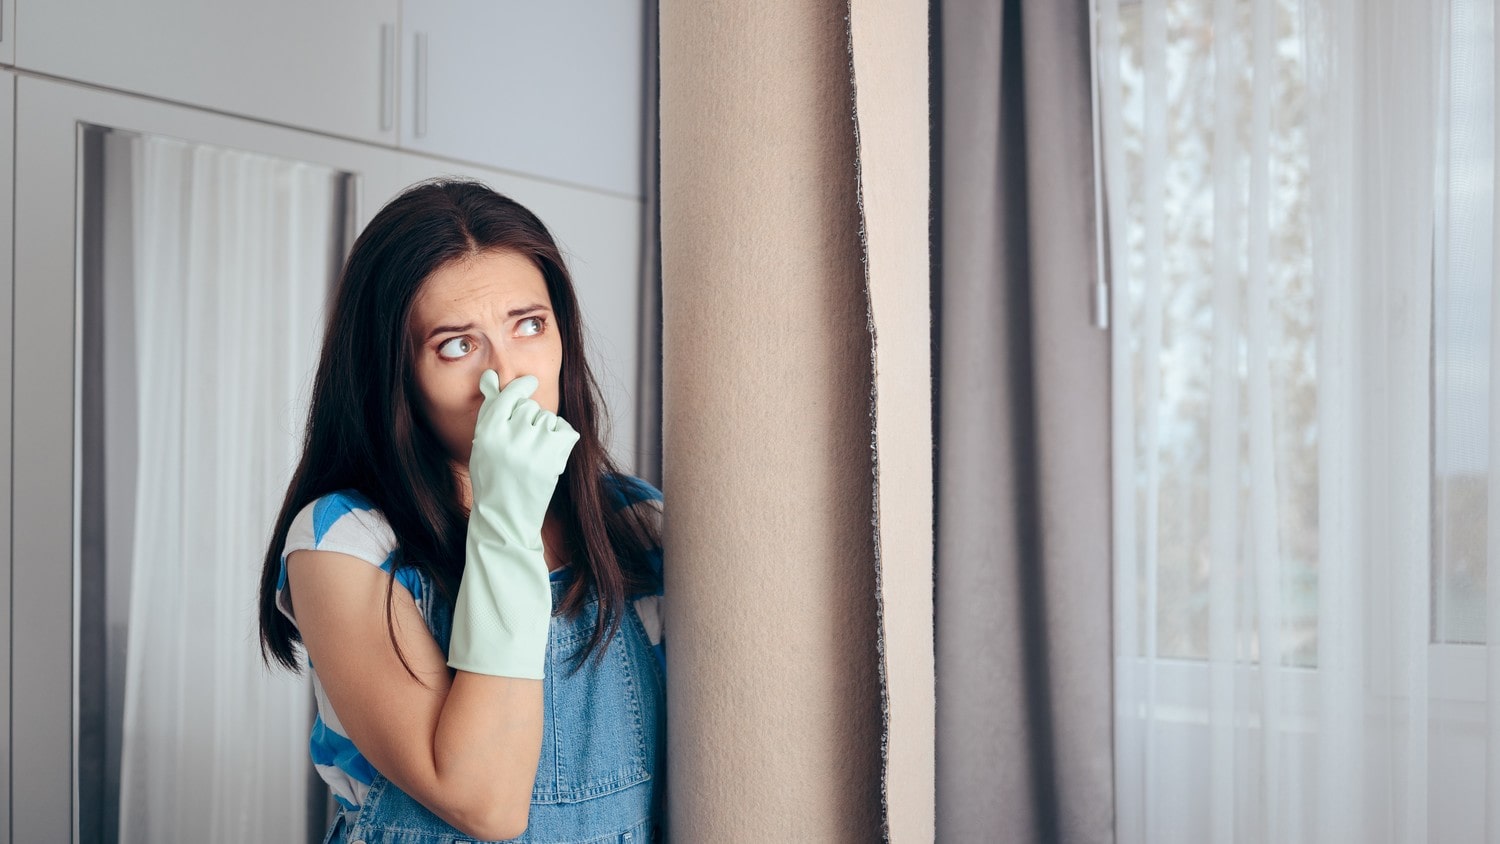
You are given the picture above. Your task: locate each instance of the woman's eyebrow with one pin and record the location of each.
(445, 329)
(521, 311)
(459, 329)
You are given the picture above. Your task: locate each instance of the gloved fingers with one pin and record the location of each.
(516, 392)
(527, 412)
(489, 387)
(489, 384)
(564, 433)
(557, 424)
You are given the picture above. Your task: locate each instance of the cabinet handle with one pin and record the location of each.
(420, 127)
(387, 76)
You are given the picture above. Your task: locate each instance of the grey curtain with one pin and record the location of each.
(648, 375)
(1023, 629)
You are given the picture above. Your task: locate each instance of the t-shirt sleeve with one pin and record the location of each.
(347, 523)
(627, 491)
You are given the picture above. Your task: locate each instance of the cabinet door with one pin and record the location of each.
(546, 89)
(328, 65)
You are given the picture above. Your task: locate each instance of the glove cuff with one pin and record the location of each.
(503, 613)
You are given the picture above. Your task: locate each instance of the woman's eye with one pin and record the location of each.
(456, 348)
(532, 326)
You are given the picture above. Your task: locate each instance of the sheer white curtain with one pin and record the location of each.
(1301, 205)
(233, 259)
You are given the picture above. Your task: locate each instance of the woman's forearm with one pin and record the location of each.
(485, 752)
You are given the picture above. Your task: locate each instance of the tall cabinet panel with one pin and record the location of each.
(546, 89)
(7, 172)
(329, 65)
(168, 296)
(42, 465)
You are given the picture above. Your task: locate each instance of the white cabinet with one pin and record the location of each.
(546, 89)
(326, 65)
(255, 65)
(47, 394)
(552, 90)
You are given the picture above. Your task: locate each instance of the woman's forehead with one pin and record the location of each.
(488, 284)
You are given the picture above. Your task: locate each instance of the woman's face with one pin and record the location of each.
(488, 311)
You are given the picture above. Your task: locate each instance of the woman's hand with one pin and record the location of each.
(504, 606)
(519, 451)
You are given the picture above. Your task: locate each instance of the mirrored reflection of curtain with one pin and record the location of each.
(1301, 199)
(648, 375)
(234, 254)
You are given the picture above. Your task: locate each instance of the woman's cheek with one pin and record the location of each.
(461, 410)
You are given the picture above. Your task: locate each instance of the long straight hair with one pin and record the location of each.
(363, 432)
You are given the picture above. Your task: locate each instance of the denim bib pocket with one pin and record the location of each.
(594, 735)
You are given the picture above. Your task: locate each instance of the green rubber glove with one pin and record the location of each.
(504, 603)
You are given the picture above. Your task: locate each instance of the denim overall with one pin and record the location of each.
(603, 743)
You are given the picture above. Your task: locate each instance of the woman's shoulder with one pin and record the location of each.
(345, 521)
(627, 491)
(643, 501)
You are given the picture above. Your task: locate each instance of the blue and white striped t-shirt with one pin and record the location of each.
(346, 522)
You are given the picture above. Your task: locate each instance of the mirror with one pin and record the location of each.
(203, 273)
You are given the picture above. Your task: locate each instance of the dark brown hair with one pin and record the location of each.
(364, 431)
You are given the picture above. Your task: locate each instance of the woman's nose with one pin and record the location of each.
(503, 368)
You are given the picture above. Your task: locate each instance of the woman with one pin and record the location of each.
(475, 585)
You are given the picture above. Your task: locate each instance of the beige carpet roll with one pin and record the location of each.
(888, 46)
(771, 619)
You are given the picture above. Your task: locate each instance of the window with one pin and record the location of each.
(1192, 224)
(1463, 277)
